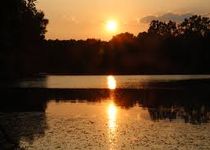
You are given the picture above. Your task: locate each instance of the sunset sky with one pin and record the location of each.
(82, 19)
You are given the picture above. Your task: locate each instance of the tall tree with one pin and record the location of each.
(22, 28)
(195, 25)
(162, 28)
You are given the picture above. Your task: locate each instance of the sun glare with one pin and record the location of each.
(111, 82)
(112, 114)
(111, 26)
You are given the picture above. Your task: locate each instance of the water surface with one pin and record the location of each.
(100, 81)
(89, 112)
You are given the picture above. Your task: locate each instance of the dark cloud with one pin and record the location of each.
(166, 17)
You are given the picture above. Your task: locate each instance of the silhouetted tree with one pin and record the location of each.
(22, 30)
(162, 28)
(166, 48)
(195, 25)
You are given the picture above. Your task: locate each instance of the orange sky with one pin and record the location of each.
(82, 19)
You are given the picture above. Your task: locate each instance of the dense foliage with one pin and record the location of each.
(22, 31)
(166, 48)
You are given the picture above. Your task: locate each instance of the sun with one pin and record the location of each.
(111, 26)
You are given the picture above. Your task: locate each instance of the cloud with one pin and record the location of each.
(166, 17)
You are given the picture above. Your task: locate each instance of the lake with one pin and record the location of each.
(106, 112)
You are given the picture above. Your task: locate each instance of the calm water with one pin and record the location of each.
(100, 82)
(101, 112)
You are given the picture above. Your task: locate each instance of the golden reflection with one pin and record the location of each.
(112, 124)
(112, 114)
(111, 82)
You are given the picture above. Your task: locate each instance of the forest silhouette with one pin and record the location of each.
(166, 48)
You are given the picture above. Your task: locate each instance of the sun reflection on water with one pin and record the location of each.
(111, 82)
(112, 116)
(112, 112)
(112, 123)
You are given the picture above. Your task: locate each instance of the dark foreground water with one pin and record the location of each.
(100, 112)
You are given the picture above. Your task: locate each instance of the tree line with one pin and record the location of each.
(165, 48)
